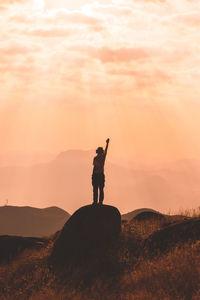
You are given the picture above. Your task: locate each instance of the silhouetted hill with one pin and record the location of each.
(29, 221)
(148, 215)
(132, 214)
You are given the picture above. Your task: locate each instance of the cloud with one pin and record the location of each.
(157, 74)
(13, 48)
(76, 17)
(149, 1)
(102, 10)
(5, 2)
(146, 78)
(189, 19)
(6, 5)
(2, 7)
(22, 17)
(107, 55)
(119, 44)
(49, 32)
(57, 16)
(56, 23)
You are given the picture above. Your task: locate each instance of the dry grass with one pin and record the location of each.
(192, 213)
(123, 272)
(175, 275)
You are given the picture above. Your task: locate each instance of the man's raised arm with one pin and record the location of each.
(106, 149)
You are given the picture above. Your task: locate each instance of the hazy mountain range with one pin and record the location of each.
(66, 182)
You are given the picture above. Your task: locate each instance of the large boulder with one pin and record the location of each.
(90, 227)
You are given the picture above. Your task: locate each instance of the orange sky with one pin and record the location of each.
(73, 73)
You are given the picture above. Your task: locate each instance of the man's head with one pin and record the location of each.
(99, 150)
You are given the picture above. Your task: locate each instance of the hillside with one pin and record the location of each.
(149, 260)
(30, 221)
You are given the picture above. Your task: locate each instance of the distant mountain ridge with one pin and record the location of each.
(65, 181)
(30, 221)
(74, 156)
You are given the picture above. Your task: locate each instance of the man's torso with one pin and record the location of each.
(98, 163)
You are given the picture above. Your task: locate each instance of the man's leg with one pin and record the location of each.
(101, 194)
(95, 188)
(101, 188)
(95, 194)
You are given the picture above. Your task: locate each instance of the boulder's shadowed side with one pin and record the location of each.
(172, 235)
(89, 228)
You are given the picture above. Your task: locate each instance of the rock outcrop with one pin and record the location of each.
(90, 227)
(148, 216)
(132, 214)
(173, 235)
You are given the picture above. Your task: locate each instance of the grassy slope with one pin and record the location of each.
(127, 270)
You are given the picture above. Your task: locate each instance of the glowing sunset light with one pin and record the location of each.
(72, 5)
(39, 4)
(73, 73)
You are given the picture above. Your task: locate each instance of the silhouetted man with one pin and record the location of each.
(98, 177)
